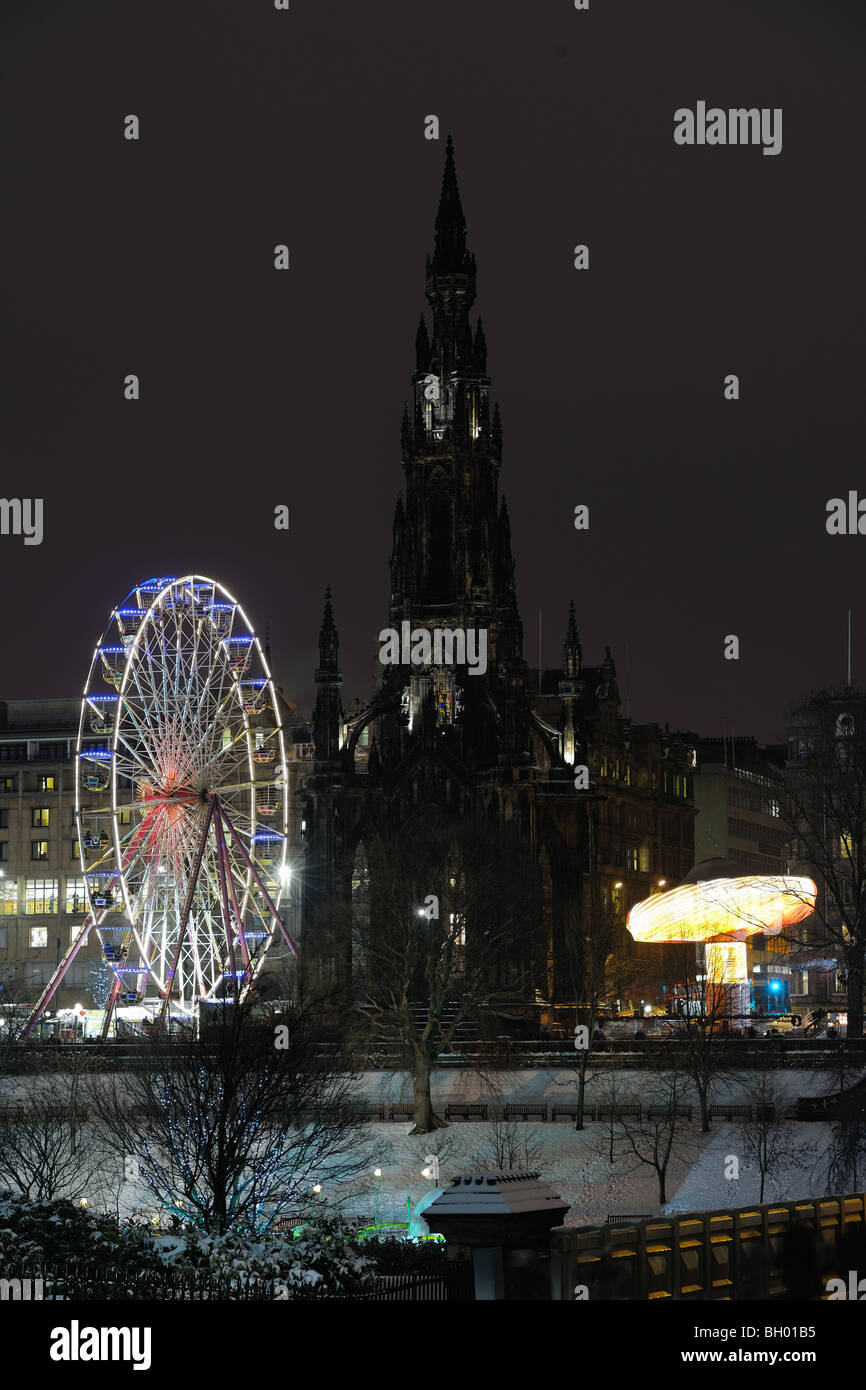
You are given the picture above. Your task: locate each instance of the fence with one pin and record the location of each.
(738, 1253)
(89, 1283)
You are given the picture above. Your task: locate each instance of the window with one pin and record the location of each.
(669, 829)
(38, 937)
(40, 817)
(40, 896)
(76, 896)
(45, 783)
(7, 784)
(38, 851)
(8, 897)
(4, 820)
(4, 851)
(124, 817)
(631, 859)
(75, 853)
(13, 752)
(3, 943)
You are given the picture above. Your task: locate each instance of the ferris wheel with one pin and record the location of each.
(181, 805)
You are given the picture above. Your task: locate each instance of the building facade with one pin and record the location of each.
(739, 794)
(42, 897)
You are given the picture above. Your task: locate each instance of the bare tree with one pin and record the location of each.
(824, 810)
(655, 1139)
(46, 1150)
(764, 1136)
(507, 1147)
(230, 1130)
(588, 948)
(846, 1155)
(701, 1012)
(449, 941)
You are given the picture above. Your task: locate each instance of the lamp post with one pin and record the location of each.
(315, 1191)
(377, 1173)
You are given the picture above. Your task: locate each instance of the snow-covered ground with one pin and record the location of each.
(576, 1164)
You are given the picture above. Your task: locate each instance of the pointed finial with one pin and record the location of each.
(450, 250)
(572, 654)
(329, 641)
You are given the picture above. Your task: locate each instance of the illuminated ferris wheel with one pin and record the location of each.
(181, 802)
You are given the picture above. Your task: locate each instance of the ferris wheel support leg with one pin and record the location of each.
(184, 921)
(109, 1006)
(222, 855)
(238, 918)
(56, 978)
(266, 895)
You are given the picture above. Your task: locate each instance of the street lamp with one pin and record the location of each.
(377, 1173)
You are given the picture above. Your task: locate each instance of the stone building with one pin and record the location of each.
(443, 736)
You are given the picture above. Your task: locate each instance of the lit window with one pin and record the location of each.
(38, 937)
(40, 896)
(8, 896)
(45, 783)
(7, 784)
(76, 896)
(124, 817)
(38, 851)
(40, 817)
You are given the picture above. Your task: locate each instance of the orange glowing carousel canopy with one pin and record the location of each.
(723, 909)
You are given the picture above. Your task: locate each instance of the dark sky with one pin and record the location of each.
(260, 388)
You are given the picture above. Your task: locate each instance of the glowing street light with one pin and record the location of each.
(377, 1173)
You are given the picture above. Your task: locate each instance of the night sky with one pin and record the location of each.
(259, 388)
